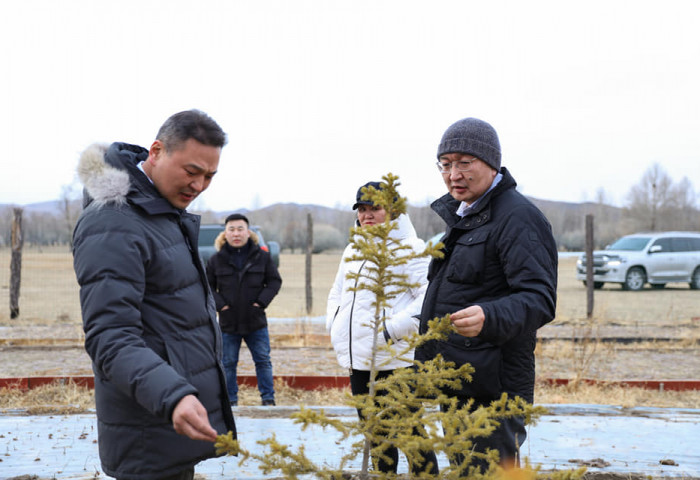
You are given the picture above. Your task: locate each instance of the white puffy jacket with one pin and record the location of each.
(349, 314)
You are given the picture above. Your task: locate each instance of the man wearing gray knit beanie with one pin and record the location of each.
(497, 281)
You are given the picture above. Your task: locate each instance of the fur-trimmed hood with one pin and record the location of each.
(107, 172)
(221, 239)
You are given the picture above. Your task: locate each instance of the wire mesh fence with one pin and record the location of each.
(49, 291)
(48, 288)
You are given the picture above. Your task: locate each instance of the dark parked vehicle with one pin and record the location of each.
(208, 233)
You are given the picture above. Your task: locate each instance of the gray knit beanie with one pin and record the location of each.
(474, 137)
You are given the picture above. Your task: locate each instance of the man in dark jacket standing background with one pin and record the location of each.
(148, 315)
(497, 281)
(244, 280)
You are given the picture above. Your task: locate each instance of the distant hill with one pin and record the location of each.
(319, 211)
(293, 209)
(281, 212)
(567, 218)
(52, 207)
(285, 221)
(48, 222)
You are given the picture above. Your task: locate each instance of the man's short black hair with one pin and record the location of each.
(194, 124)
(236, 216)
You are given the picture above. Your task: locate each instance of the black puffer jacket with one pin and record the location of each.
(258, 281)
(149, 319)
(502, 257)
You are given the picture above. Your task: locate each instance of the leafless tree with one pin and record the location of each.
(327, 237)
(70, 206)
(651, 197)
(684, 202)
(209, 216)
(294, 236)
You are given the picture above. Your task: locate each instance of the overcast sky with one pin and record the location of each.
(320, 96)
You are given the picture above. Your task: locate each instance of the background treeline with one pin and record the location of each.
(656, 203)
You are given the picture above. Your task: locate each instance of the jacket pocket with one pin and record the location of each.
(331, 322)
(224, 270)
(468, 258)
(486, 360)
(227, 320)
(177, 352)
(257, 318)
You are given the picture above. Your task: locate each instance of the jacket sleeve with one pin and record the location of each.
(273, 282)
(528, 254)
(109, 261)
(404, 323)
(335, 294)
(219, 300)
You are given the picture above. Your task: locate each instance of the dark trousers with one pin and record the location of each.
(506, 439)
(259, 345)
(359, 385)
(184, 475)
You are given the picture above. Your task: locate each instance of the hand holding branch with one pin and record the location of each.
(190, 419)
(468, 321)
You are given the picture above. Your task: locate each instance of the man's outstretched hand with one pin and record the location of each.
(190, 419)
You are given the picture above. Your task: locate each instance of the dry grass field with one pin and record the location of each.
(49, 291)
(49, 294)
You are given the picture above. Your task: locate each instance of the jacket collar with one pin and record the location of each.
(404, 228)
(446, 206)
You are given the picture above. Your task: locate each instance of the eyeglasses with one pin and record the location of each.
(461, 165)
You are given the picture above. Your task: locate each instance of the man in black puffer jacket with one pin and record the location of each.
(244, 280)
(498, 278)
(148, 315)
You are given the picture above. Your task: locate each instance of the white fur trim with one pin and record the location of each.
(104, 183)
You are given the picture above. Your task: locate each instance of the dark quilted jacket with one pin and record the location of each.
(149, 318)
(503, 257)
(258, 281)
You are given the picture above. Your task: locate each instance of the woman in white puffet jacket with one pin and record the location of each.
(349, 315)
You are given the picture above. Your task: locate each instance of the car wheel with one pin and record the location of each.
(658, 286)
(695, 279)
(635, 279)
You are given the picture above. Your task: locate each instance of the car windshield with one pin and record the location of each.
(630, 243)
(208, 235)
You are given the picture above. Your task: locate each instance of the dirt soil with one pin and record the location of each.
(615, 352)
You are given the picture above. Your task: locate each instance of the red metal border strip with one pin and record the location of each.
(319, 382)
(19, 383)
(661, 385)
(81, 381)
(27, 383)
(308, 382)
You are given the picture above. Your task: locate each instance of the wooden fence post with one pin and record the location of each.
(589, 266)
(17, 241)
(309, 251)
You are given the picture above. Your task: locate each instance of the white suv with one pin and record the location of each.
(657, 258)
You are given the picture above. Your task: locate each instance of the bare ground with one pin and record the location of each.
(563, 352)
